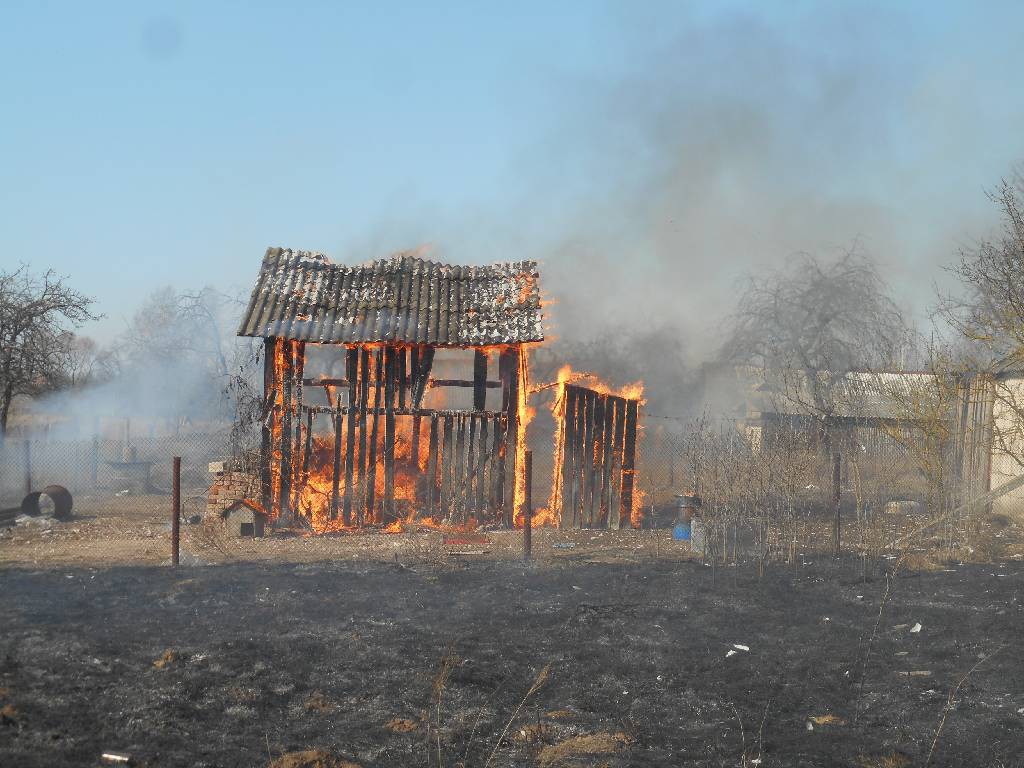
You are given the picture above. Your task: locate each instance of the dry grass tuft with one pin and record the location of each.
(590, 745)
(311, 758)
(8, 714)
(318, 703)
(922, 562)
(402, 725)
(531, 733)
(827, 720)
(895, 760)
(167, 658)
(560, 714)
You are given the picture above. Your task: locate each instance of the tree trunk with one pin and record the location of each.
(5, 410)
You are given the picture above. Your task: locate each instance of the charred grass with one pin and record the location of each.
(495, 663)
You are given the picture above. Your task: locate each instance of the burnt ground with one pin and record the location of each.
(350, 658)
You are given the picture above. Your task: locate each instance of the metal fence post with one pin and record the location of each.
(28, 465)
(176, 513)
(528, 511)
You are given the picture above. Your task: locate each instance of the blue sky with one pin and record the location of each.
(647, 153)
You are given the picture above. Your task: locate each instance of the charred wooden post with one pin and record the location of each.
(371, 478)
(528, 505)
(364, 393)
(497, 468)
(567, 425)
(433, 486)
(266, 433)
(579, 458)
(175, 509)
(285, 517)
(391, 367)
(298, 361)
(459, 471)
(445, 460)
(479, 380)
(481, 468)
(616, 467)
(508, 367)
(352, 374)
(607, 458)
(597, 459)
(628, 463)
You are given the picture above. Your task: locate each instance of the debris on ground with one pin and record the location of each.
(827, 719)
(916, 628)
(311, 758)
(167, 658)
(116, 758)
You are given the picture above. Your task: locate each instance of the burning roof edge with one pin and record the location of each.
(302, 295)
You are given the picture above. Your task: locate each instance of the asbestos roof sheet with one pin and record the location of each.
(301, 295)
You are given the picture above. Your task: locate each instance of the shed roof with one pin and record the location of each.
(301, 295)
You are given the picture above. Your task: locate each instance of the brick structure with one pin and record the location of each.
(229, 486)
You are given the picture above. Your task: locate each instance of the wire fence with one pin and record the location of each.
(768, 497)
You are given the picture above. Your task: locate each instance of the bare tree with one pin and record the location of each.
(36, 313)
(989, 316)
(805, 329)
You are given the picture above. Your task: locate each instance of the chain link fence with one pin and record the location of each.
(121, 496)
(761, 496)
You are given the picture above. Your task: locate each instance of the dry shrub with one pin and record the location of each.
(401, 725)
(590, 745)
(922, 562)
(311, 758)
(895, 760)
(8, 714)
(167, 658)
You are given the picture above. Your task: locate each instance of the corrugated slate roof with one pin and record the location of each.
(301, 295)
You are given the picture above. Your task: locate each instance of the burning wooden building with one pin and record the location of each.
(364, 422)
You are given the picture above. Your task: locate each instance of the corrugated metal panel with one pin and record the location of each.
(301, 295)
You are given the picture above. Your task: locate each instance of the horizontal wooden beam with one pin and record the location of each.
(325, 382)
(344, 410)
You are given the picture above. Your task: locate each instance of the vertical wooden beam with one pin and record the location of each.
(497, 468)
(364, 394)
(597, 459)
(352, 374)
(266, 433)
(471, 453)
(616, 486)
(460, 470)
(445, 460)
(481, 471)
(567, 426)
(400, 375)
(479, 380)
(608, 456)
(508, 363)
(391, 367)
(284, 517)
(433, 482)
(579, 458)
(371, 470)
(587, 459)
(298, 364)
(336, 465)
(628, 463)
